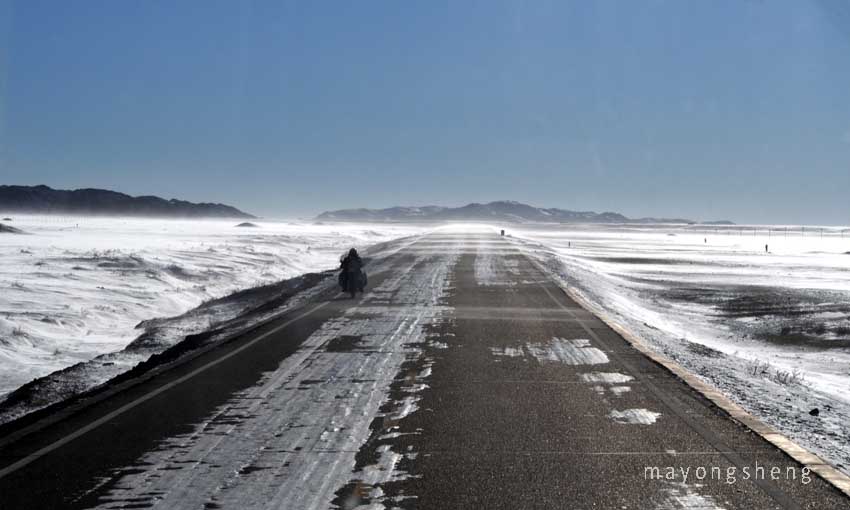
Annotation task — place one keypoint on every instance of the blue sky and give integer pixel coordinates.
(708, 109)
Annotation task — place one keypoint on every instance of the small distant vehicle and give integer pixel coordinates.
(352, 278)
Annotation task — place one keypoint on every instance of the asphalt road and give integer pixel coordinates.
(463, 379)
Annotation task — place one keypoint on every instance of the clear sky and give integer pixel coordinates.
(712, 109)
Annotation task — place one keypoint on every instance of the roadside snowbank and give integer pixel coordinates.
(78, 288)
(771, 330)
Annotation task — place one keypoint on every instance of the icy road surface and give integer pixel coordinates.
(290, 441)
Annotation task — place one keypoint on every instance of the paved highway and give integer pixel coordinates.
(464, 378)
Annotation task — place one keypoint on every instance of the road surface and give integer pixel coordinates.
(464, 378)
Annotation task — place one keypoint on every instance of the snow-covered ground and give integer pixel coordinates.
(301, 426)
(770, 329)
(74, 288)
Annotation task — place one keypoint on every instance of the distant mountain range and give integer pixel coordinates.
(101, 202)
(504, 211)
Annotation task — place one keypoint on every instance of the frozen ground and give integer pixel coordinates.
(77, 288)
(770, 329)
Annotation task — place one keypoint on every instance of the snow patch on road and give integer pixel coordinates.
(492, 268)
(612, 380)
(485, 270)
(571, 352)
(510, 352)
(606, 378)
(408, 406)
(634, 416)
(681, 496)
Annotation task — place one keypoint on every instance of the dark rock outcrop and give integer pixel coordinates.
(45, 200)
(6, 229)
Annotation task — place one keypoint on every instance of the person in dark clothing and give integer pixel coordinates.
(351, 277)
